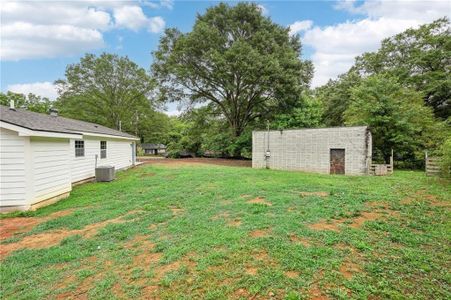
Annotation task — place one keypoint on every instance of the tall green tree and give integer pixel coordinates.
(154, 127)
(335, 97)
(240, 62)
(30, 102)
(397, 118)
(106, 89)
(307, 114)
(420, 58)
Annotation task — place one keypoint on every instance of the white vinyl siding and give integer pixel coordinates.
(35, 169)
(119, 155)
(51, 167)
(12, 169)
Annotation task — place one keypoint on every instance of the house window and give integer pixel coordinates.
(102, 149)
(79, 148)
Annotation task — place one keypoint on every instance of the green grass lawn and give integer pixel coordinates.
(216, 232)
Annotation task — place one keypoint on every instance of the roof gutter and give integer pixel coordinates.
(22, 131)
(108, 136)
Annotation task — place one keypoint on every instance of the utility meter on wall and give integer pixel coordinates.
(268, 153)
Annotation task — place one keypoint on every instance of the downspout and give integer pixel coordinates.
(369, 150)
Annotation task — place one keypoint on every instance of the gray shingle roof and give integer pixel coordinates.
(42, 122)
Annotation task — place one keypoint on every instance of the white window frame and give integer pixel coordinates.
(103, 152)
(81, 150)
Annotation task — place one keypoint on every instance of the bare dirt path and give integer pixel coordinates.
(195, 161)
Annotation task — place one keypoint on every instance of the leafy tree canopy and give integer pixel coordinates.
(243, 64)
(308, 113)
(107, 89)
(397, 118)
(420, 58)
(335, 97)
(31, 101)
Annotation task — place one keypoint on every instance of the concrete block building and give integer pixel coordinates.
(337, 150)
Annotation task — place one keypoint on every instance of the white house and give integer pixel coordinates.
(42, 156)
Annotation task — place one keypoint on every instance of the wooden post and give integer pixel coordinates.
(391, 158)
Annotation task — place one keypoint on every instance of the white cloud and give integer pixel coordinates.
(421, 11)
(156, 24)
(24, 40)
(264, 10)
(32, 29)
(131, 17)
(335, 47)
(167, 4)
(300, 26)
(44, 89)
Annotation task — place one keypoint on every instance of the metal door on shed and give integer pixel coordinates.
(337, 161)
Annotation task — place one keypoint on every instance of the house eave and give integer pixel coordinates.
(93, 134)
(23, 131)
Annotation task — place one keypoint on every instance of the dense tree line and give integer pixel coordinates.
(237, 71)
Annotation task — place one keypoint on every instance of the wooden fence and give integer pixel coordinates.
(382, 169)
(433, 166)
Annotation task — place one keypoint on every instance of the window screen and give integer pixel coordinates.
(102, 149)
(79, 148)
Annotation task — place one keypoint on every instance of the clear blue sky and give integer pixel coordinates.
(39, 39)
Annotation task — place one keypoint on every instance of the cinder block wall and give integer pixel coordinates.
(309, 149)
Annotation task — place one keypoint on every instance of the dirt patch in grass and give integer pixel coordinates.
(146, 259)
(261, 255)
(177, 210)
(241, 293)
(292, 274)
(139, 241)
(259, 233)
(348, 269)
(161, 270)
(407, 201)
(234, 223)
(433, 201)
(364, 216)
(81, 287)
(317, 194)
(314, 292)
(223, 215)
(118, 291)
(251, 271)
(264, 258)
(421, 195)
(259, 200)
(8, 227)
(11, 226)
(378, 205)
(325, 225)
(300, 240)
(149, 292)
(54, 237)
(358, 221)
(226, 217)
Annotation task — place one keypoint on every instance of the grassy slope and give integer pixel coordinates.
(404, 254)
